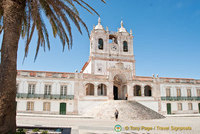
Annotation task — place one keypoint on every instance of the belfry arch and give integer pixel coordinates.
(119, 87)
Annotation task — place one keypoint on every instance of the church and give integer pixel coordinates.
(108, 76)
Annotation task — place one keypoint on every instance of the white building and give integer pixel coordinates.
(109, 74)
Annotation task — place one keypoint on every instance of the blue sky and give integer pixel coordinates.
(167, 38)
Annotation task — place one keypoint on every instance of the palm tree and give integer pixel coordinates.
(21, 18)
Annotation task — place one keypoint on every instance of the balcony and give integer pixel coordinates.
(179, 98)
(43, 96)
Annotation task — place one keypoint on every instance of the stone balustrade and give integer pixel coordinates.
(43, 96)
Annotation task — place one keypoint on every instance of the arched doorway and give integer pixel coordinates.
(115, 92)
(119, 87)
(147, 90)
(89, 89)
(102, 90)
(137, 90)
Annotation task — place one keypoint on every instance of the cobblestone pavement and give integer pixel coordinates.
(95, 126)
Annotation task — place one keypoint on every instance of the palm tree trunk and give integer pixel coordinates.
(13, 12)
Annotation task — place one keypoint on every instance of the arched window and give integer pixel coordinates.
(137, 90)
(100, 42)
(147, 90)
(125, 46)
(102, 90)
(89, 89)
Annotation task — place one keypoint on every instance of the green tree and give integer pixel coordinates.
(22, 18)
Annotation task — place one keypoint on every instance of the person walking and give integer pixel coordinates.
(116, 114)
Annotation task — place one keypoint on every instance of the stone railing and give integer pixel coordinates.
(179, 98)
(43, 96)
(43, 74)
(174, 80)
(143, 79)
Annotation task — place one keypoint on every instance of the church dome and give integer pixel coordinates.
(99, 26)
(122, 29)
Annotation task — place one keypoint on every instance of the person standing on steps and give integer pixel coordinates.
(116, 114)
(126, 96)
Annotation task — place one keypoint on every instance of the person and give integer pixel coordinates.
(116, 114)
(126, 96)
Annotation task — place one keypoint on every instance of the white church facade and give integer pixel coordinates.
(108, 75)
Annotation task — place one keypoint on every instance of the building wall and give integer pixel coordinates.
(185, 108)
(38, 106)
(184, 99)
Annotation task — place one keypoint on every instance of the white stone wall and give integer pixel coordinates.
(85, 105)
(40, 85)
(38, 106)
(39, 89)
(88, 68)
(150, 104)
(185, 107)
(183, 87)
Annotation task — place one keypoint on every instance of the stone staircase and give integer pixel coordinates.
(128, 110)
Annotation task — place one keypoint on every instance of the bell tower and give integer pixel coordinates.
(98, 40)
(107, 48)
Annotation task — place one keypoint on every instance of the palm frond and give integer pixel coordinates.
(56, 24)
(1, 25)
(103, 1)
(55, 5)
(59, 14)
(70, 2)
(29, 29)
(40, 26)
(24, 25)
(28, 7)
(89, 7)
(37, 49)
(29, 40)
(75, 18)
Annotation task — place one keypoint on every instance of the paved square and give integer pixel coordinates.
(94, 126)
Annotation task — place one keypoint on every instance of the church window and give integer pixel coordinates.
(125, 46)
(100, 42)
(112, 39)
